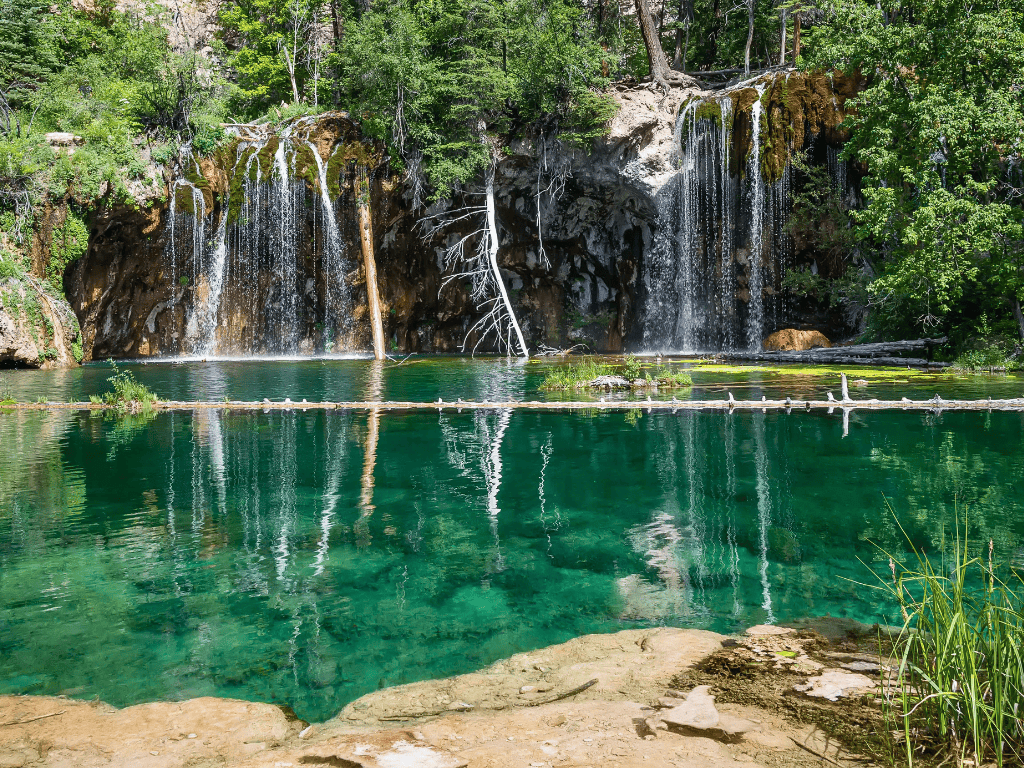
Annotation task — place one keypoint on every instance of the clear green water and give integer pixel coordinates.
(279, 557)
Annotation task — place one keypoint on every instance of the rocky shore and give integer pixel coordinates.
(624, 699)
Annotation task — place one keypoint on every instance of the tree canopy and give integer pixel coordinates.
(939, 132)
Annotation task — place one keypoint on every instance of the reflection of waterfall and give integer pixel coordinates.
(713, 273)
(764, 513)
(273, 279)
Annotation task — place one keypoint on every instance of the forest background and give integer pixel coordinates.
(934, 244)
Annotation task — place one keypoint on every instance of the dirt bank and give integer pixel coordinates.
(598, 700)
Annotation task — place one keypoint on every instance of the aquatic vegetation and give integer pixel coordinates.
(633, 372)
(128, 394)
(959, 657)
(575, 376)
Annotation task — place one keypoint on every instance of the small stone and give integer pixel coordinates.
(154, 753)
(861, 666)
(528, 689)
(193, 736)
(305, 731)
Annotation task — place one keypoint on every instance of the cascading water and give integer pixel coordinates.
(713, 274)
(273, 278)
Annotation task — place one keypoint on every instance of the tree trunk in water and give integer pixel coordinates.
(796, 37)
(660, 71)
(369, 263)
(750, 35)
(1019, 315)
(782, 34)
(492, 254)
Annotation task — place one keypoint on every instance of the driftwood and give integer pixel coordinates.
(880, 353)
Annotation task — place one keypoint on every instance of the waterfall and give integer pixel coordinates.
(712, 276)
(332, 261)
(267, 264)
(755, 281)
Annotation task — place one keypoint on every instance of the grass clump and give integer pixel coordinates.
(576, 376)
(633, 371)
(128, 395)
(958, 688)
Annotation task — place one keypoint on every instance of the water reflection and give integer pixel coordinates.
(309, 557)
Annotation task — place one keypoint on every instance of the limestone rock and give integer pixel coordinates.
(769, 630)
(792, 340)
(697, 712)
(60, 139)
(833, 684)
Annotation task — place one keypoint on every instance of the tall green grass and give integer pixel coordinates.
(958, 687)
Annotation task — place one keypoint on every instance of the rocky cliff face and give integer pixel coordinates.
(577, 233)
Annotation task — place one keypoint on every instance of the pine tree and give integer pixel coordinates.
(26, 51)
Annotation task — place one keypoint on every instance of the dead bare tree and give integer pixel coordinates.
(480, 268)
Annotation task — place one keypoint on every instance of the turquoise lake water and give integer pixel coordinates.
(307, 558)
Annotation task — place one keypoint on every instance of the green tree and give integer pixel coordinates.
(940, 129)
(438, 76)
(26, 45)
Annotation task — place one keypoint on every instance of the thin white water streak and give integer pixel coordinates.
(755, 306)
(764, 514)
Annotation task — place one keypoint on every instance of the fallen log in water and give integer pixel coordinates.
(936, 404)
(879, 353)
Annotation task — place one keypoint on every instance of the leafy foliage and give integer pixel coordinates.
(70, 242)
(940, 129)
(435, 77)
(128, 393)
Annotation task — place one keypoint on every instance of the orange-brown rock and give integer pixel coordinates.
(792, 340)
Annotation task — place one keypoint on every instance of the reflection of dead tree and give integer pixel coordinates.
(366, 507)
(492, 466)
(487, 289)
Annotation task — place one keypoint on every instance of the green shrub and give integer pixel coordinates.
(976, 360)
(632, 369)
(128, 394)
